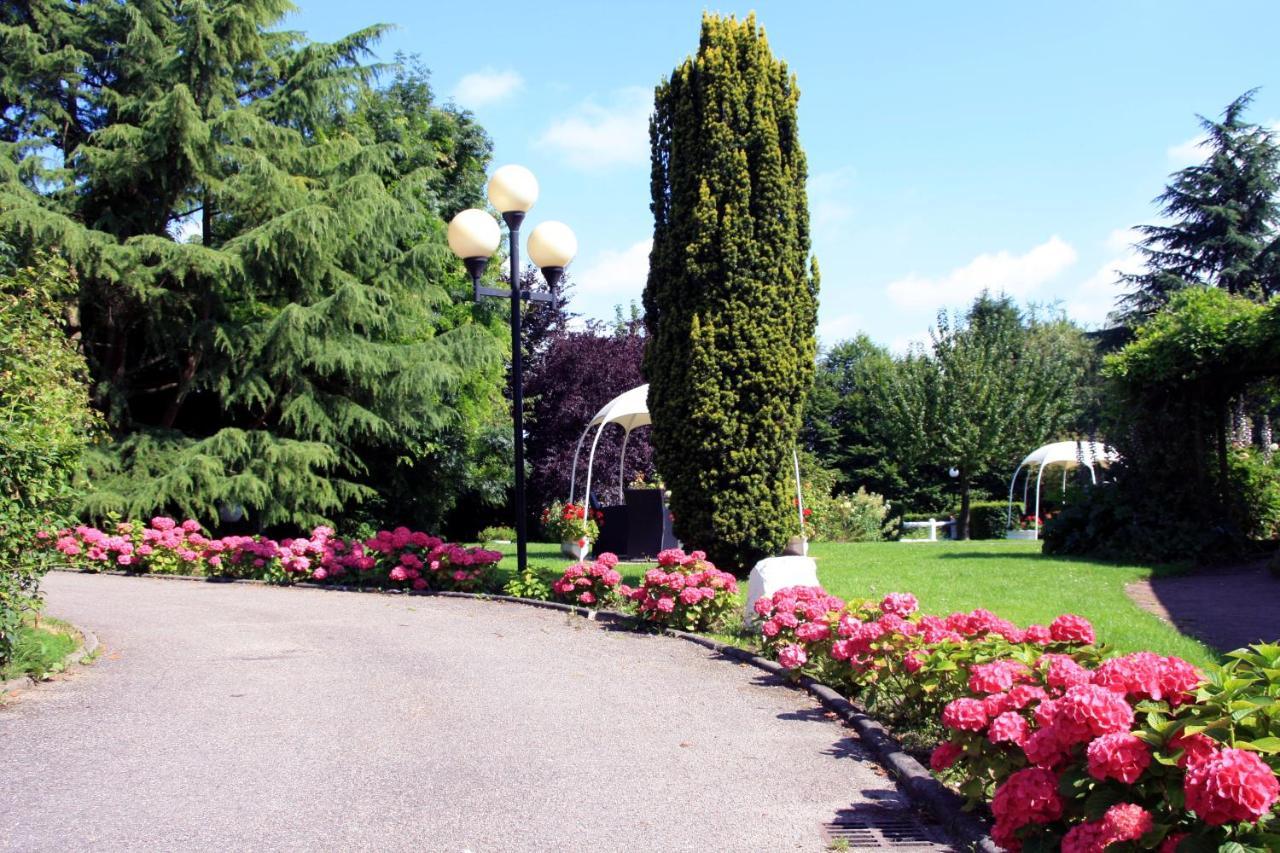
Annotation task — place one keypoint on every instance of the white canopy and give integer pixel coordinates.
(630, 410)
(1065, 454)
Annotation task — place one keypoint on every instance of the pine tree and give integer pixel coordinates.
(1225, 214)
(264, 294)
(730, 302)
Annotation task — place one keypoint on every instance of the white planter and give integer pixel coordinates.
(775, 573)
(573, 549)
(1020, 534)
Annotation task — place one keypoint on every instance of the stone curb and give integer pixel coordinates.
(946, 806)
(88, 645)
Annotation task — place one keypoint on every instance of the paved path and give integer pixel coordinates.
(236, 717)
(1226, 608)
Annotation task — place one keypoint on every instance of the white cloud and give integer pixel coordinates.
(618, 274)
(1096, 296)
(1187, 153)
(1001, 272)
(839, 328)
(487, 86)
(596, 137)
(828, 198)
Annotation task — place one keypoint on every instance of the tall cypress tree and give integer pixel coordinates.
(730, 303)
(1224, 214)
(264, 300)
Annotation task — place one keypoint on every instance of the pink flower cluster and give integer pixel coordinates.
(399, 557)
(685, 591)
(796, 621)
(589, 584)
(1059, 717)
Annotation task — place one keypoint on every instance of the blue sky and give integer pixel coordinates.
(1007, 145)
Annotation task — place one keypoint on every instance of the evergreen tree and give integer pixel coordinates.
(730, 302)
(264, 294)
(846, 429)
(1224, 215)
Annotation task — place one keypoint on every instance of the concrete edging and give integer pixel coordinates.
(940, 801)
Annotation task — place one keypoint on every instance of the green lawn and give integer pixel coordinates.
(40, 650)
(1010, 578)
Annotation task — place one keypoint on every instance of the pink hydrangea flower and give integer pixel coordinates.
(1231, 787)
(1118, 755)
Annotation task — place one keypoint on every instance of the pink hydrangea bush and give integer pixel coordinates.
(399, 558)
(685, 591)
(1137, 747)
(795, 627)
(416, 560)
(592, 584)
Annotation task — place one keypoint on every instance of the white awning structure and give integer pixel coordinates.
(630, 410)
(1061, 454)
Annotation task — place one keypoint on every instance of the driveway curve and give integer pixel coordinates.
(233, 717)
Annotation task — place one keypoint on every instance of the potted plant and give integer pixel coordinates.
(1024, 527)
(574, 526)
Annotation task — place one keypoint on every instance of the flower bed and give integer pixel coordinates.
(1073, 750)
(399, 558)
(685, 591)
(589, 584)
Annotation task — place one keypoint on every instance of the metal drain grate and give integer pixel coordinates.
(879, 828)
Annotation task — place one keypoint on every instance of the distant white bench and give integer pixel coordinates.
(933, 524)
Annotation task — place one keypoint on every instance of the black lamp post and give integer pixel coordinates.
(474, 236)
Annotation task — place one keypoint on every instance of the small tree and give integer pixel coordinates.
(986, 392)
(730, 302)
(45, 424)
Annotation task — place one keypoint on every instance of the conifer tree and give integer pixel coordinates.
(730, 302)
(264, 294)
(1224, 213)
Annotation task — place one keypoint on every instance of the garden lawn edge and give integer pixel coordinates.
(88, 647)
(944, 804)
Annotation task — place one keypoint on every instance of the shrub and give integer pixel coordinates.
(531, 583)
(1255, 494)
(45, 425)
(399, 558)
(589, 584)
(1073, 750)
(988, 519)
(497, 534)
(860, 517)
(685, 591)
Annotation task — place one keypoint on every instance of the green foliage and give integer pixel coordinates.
(845, 426)
(730, 304)
(496, 534)
(45, 426)
(40, 649)
(993, 384)
(988, 519)
(1223, 213)
(267, 307)
(533, 583)
(1184, 490)
(1255, 492)
(860, 517)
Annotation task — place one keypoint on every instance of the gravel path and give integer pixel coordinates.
(234, 717)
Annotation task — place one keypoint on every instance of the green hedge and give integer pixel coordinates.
(987, 519)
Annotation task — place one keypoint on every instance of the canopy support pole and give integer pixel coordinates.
(573, 472)
(795, 459)
(591, 464)
(1039, 475)
(622, 467)
(1008, 519)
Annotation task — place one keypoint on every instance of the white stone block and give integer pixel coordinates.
(775, 573)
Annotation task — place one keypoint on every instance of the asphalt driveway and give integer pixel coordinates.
(237, 717)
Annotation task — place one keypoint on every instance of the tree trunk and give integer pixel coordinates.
(963, 521)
